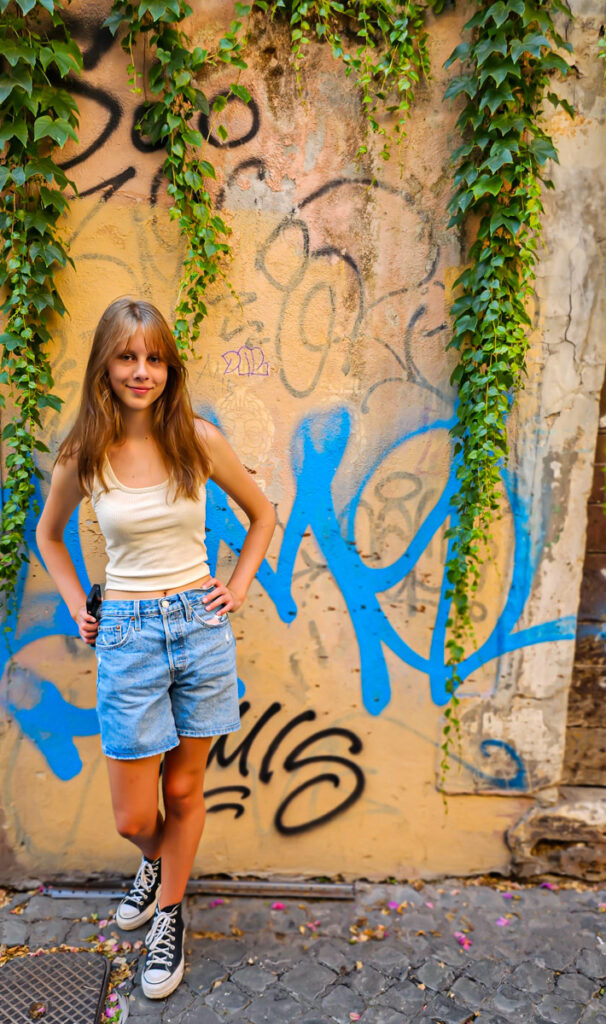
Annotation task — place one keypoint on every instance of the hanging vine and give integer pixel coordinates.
(500, 172)
(39, 116)
(167, 121)
(389, 58)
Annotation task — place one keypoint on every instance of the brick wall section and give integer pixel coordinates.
(585, 757)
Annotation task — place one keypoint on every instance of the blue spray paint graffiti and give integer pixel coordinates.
(319, 446)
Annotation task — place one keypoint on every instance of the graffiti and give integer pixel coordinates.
(247, 362)
(292, 762)
(318, 448)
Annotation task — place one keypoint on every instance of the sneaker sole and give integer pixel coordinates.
(166, 987)
(130, 923)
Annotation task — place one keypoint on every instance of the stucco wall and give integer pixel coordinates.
(330, 378)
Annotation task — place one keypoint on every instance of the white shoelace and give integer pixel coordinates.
(144, 882)
(160, 941)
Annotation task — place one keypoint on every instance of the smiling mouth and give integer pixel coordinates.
(141, 391)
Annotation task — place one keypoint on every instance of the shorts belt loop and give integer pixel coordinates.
(137, 615)
(187, 606)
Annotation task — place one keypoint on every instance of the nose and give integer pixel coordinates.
(141, 370)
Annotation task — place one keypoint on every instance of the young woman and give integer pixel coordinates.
(166, 679)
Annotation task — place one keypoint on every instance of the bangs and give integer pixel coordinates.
(157, 336)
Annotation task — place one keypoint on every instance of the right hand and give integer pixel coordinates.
(88, 627)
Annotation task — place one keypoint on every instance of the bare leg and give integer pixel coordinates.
(134, 790)
(183, 788)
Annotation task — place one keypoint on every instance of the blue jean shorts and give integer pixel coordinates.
(166, 668)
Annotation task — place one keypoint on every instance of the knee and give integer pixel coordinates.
(183, 796)
(133, 828)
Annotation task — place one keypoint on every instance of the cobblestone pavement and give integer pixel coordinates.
(451, 952)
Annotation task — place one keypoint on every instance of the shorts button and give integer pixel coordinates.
(165, 604)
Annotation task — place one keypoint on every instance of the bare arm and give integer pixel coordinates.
(64, 496)
(229, 473)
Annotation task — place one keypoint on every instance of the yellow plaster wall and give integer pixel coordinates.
(344, 289)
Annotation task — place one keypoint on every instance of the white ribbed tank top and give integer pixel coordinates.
(152, 542)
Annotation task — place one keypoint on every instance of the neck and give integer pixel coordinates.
(137, 425)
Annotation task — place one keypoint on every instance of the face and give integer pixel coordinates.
(137, 376)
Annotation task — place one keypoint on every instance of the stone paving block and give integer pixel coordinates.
(387, 959)
(469, 992)
(594, 1014)
(487, 972)
(199, 1014)
(380, 1015)
(446, 1011)
(510, 1002)
(335, 955)
(273, 1008)
(555, 1010)
(576, 987)
(405, 996)
(529, 977)
(14, 931)
(341, 1001)
(307, 980)
(227, 999)
(41, 907)
(78, 933)
(435, 976)
(225, 951)
(176, 1004)
(253, 978)
(201, 975)
(368, 982)
(47, 933)
(592, 963)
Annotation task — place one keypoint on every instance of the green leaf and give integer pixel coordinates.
(59, 130)
(463, 83)
(14, 130)
(114, 20)
(498, 12)
(242, 93)
(15, 52)
(461, 52)
(543, 150)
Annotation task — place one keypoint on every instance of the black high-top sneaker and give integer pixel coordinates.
(165, 961)
(140, 902)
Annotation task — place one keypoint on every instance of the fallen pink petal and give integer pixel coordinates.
(429, 904)
(502, 922)
(507, 895)
(463, 940)
(393, 905)
(217, 902)
(278, 906)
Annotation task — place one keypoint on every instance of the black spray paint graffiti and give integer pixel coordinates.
(338, 765)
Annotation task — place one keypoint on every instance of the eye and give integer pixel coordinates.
(155, 359)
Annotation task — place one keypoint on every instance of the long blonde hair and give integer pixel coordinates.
(100, 424)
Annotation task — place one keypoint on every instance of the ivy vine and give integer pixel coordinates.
(389, 58)
(509, 61)
(167, 121)
(39, 115)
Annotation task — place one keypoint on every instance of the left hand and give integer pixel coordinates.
(220, 598)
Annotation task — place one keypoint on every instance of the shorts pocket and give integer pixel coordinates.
(212, 618)
(113, 632)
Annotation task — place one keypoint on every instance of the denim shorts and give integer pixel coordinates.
(166, 668)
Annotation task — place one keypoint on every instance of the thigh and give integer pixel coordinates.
(185, 766)
(134, 786)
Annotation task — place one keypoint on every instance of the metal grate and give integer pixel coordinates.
(56, 988)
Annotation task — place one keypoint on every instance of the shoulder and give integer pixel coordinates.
(208, 433)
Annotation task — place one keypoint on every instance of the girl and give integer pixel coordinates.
(165, 649)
